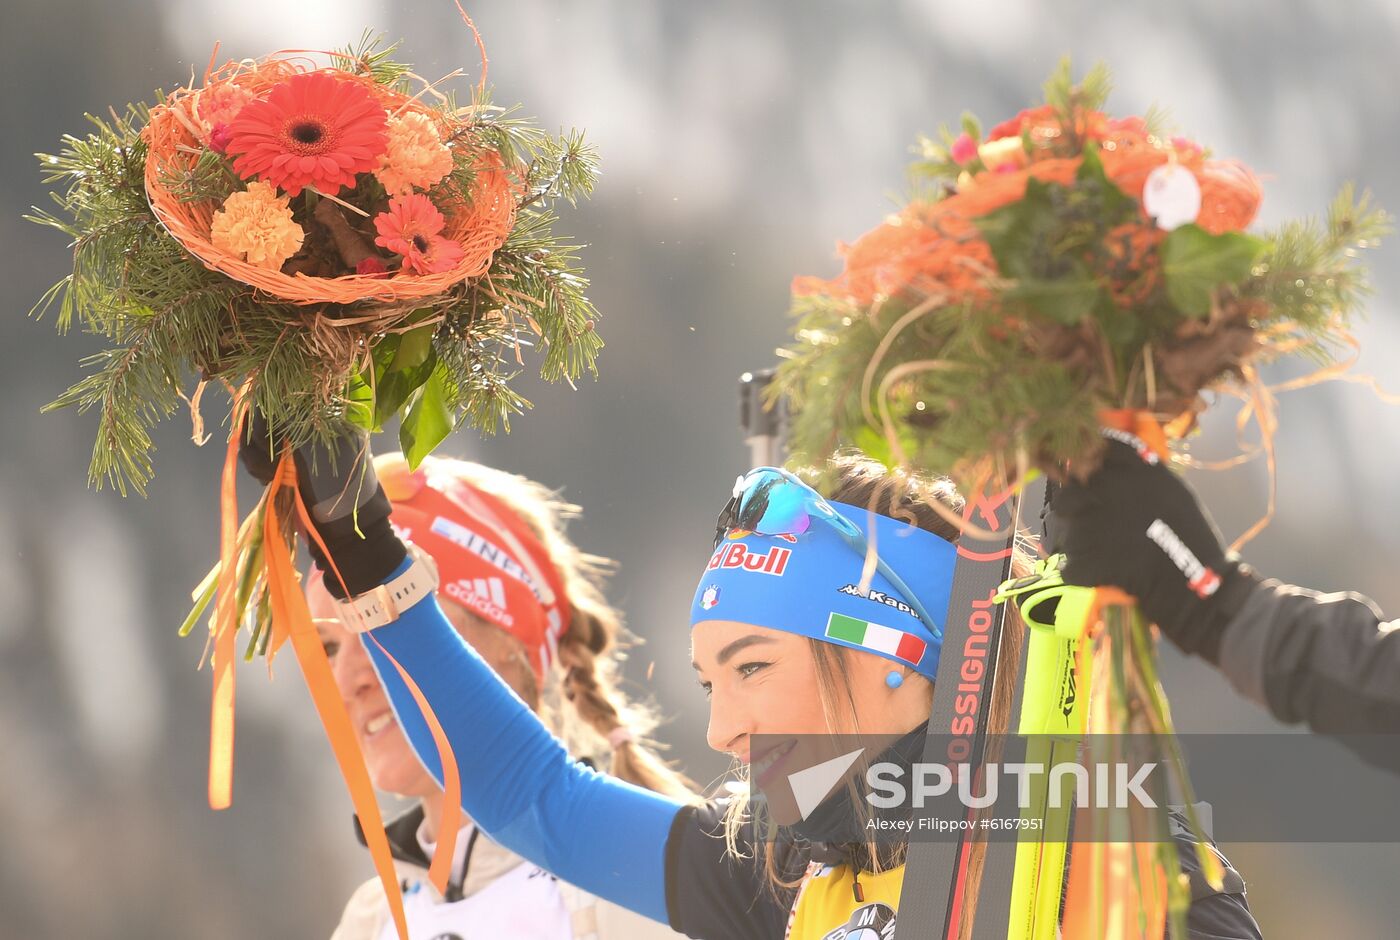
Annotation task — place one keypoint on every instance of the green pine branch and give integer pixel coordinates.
(371, 56)
(1311, 275)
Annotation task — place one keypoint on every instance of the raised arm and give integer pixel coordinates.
(1328, 661)
(518, 782)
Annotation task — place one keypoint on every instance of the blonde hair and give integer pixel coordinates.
(899, 494)
(583, 702)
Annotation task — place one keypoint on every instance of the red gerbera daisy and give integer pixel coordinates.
(312, 130)
(411, 228)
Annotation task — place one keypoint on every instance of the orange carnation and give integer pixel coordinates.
(257, 226)
(220, 104)
(415, 157)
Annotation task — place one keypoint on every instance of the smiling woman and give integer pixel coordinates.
(529, 602)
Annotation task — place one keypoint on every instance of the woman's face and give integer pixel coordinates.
(762, 681)
(393, 767)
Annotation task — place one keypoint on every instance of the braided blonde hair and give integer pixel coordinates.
(581, 699)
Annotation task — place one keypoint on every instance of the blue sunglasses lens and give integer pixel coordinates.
(769, 501)
(772, 504)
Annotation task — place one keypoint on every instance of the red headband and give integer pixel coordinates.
(489, 561)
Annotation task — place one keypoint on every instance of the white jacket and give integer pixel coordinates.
(501, 895)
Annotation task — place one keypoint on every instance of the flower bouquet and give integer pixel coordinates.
(1063, 265)
(330, 241)
(1064, 272)
(343, 240)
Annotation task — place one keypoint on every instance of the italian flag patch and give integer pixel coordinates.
(876, 638)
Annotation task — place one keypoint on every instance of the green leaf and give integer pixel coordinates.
(874, 445)
(1065, 300)
(359, 403)
(1196, 263)
(1125, 330)
(970, 126)
(1016, 231)
(403, 362)
(427, 421)
(1115, 206)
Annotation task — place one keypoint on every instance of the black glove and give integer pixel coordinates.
(345, 501)
(1136, 525)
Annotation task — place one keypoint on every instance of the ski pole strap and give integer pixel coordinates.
(1047, 603)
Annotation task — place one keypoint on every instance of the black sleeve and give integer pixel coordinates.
(1213, 915)
(1326, 660)
(713, 895)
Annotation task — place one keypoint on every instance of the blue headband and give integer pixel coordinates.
(809, 584)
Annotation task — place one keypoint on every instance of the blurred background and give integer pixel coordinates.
(740, 141)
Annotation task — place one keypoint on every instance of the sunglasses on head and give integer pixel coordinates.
(771, 501)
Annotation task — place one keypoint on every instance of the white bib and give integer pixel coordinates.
(522, 904)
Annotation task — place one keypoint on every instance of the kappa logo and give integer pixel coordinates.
(484, 596)
(710, 599)
(736, 555)
(879, 597)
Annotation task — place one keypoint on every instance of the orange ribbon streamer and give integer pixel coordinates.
(440, 869)
(226, 620)
(289, 607)
(1101, 900)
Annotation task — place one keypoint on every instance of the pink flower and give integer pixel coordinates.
(219, 138)
(412, 228)
(410, 219)
(1186, 147)
(373, 266)
(964, 149)
(442, 254)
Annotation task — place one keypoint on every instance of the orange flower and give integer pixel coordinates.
(1014, 126)
(916, 249)
(1134, 270)
(314, 129)
(414, 156)
(257, 226)
(220, 103)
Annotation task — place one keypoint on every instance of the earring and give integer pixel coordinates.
(895, 679)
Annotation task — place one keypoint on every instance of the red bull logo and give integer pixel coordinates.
(736, 555)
